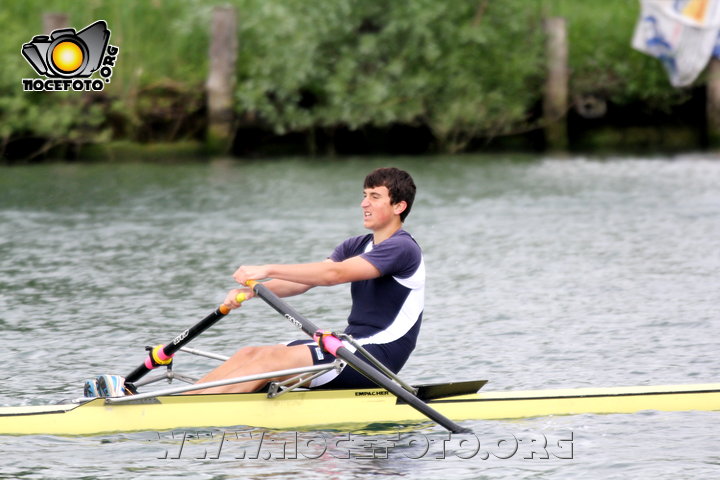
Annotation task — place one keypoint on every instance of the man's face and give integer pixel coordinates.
(377, 209)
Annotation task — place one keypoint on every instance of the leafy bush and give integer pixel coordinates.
(462, 68)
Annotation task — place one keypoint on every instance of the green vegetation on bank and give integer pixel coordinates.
(461, 69)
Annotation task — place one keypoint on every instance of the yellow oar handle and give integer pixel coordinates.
(240, 298)
(251, 283)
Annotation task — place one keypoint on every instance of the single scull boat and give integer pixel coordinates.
(322, 409)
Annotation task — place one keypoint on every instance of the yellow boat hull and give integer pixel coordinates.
(323, 408)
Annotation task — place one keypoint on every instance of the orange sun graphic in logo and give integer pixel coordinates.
(67, 56)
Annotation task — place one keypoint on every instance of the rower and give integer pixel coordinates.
(387, 276)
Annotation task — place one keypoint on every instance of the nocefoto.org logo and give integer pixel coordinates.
(68, 58)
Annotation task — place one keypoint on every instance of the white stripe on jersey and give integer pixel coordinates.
(409, 312)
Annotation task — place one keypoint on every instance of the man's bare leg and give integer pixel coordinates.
(253, 360)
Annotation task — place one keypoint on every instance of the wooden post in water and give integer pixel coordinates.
(220, 85)
(713, 103)
(53, 21)
(555, 101)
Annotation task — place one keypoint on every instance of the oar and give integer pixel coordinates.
(335, 346)
(162, 354)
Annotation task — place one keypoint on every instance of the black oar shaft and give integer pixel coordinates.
(358, 364)
(284, 309)
(181, 340)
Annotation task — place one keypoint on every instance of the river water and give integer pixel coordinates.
(542, 273)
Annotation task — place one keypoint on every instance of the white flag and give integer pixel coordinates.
(681, 33)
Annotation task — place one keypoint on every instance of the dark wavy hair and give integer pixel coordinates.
(398, 182)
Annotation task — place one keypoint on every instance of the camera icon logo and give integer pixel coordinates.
(66, 54)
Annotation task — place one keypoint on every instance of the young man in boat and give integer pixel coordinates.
(387, 274)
